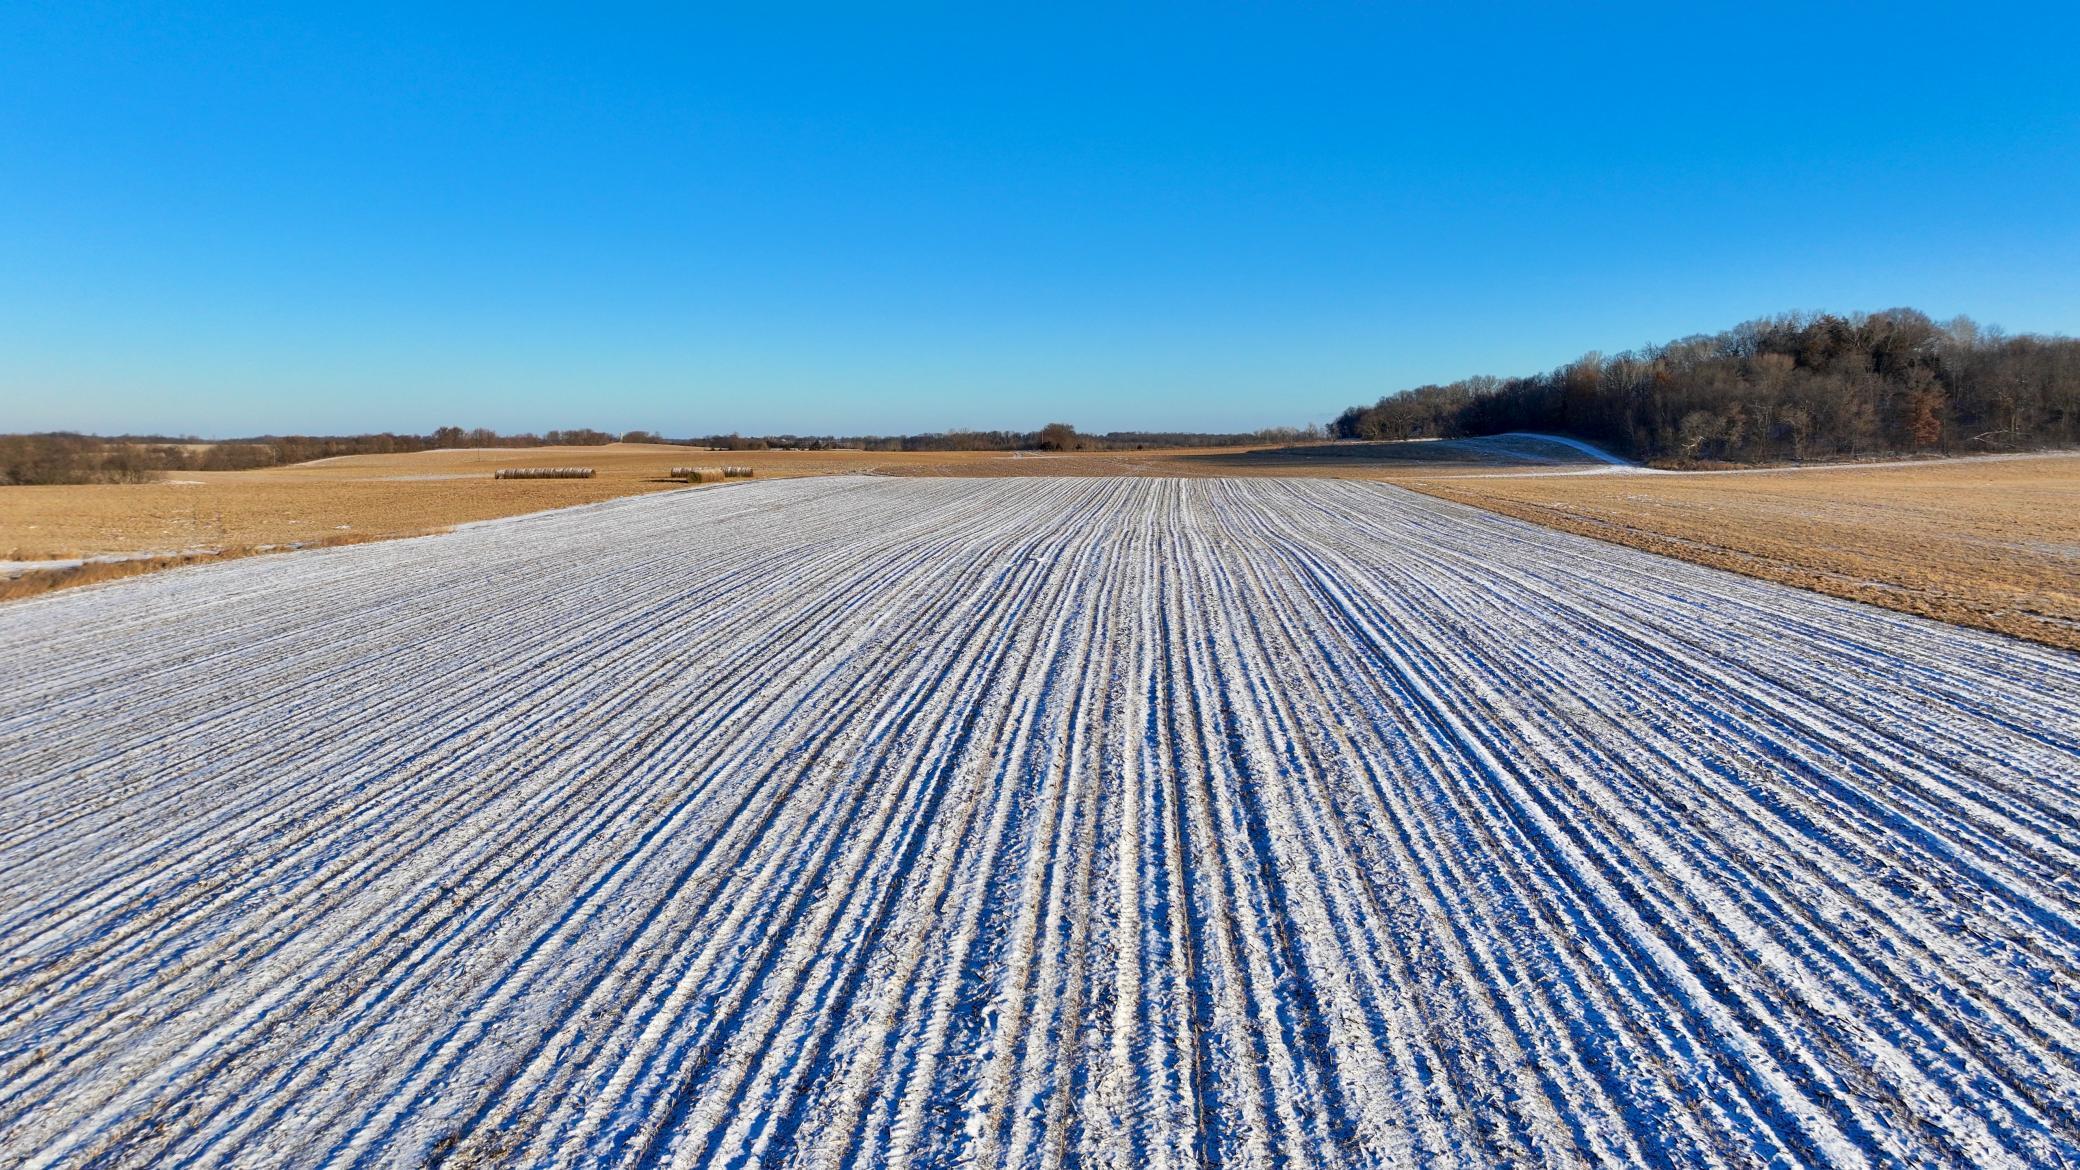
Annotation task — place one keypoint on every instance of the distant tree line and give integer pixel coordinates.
(63, 457)
(1052, 437)
(55, 458)
(1796, 387)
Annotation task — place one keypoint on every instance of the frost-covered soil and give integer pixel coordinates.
(1034, 822)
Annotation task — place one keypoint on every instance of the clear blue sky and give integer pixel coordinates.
(222, 221)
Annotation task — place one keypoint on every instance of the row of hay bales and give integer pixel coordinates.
(544, 473)
(712, 474)
(689, 474)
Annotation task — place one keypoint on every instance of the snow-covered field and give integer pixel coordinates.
(1037, 822)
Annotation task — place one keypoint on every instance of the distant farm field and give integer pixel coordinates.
(1035, 822)
(1991, 543)
(191, 516)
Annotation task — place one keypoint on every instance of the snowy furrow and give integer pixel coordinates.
(1027, 822)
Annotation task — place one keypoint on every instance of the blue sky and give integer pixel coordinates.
(219, 220)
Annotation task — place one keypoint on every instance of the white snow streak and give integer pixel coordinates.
(1028, 822)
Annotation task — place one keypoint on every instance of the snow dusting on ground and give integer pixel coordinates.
(1034, 822)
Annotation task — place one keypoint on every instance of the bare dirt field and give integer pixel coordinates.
(1991, 543)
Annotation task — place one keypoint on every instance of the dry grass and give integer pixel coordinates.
(1988, 543)
(29, 584)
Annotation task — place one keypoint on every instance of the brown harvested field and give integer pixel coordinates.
(364, 496)
(1992, 543)
(374, 496)
(1987, 543)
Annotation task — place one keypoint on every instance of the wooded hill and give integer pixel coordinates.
(1791, 387)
